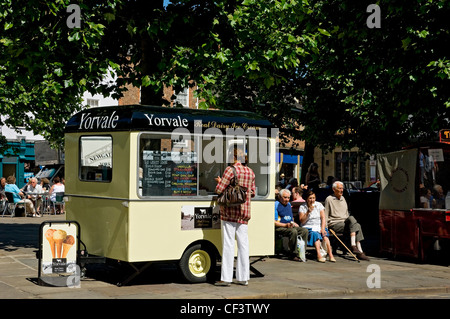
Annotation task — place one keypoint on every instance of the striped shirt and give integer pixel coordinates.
(237, 214)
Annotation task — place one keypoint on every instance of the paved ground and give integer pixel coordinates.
(380, 278)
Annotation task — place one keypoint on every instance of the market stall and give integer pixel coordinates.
(414, 213)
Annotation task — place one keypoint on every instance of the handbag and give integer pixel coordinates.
(234, 194)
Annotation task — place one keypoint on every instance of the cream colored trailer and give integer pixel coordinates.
(140, 182)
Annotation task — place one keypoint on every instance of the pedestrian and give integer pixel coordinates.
(313, 177)
(234, 223)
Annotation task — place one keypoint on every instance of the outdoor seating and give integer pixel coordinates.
(45, 206)
(10, 205)
(3, 205)
(59, 201)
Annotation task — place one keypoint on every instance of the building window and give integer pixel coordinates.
(349, 166)
(182, 98)
(92, 102)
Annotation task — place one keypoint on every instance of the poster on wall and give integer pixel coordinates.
(193, 217)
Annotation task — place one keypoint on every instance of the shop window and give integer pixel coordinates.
(349, 166)
(96, 158)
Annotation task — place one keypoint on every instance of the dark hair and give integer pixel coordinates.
(56, 180)
(308, 193)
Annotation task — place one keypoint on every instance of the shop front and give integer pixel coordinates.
(18, 161)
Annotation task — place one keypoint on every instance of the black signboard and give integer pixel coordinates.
(162, 119)
(169, 174)
(203, 217)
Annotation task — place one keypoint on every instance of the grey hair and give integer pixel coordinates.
(336, 183)
(284, 190)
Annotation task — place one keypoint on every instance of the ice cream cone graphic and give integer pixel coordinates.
(49, 237)
(67, 244)
(59, 236)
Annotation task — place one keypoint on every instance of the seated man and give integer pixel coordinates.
(31, 190)
(340, 221)
(285, 225)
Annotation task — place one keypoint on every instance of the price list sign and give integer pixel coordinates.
(169, 174)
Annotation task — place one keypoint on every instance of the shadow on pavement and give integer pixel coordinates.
(16, 236)
(115, 272)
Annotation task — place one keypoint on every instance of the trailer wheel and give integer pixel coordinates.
(197, 263)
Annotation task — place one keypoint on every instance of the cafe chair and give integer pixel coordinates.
(59, 201)
(10, 205)
(3, 205)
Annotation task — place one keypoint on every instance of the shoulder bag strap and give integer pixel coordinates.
(236, 178)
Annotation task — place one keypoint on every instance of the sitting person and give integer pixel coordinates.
(285, 225)
(439, 196)
(340, 221)
(297, 193)
(17, 196)
(296, 202)
(2, 188)
(31, 190)
(312, 217)
(426, 199)
(57, 187)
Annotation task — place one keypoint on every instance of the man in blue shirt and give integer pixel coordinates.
(285, 225)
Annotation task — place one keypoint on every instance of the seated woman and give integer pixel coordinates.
(312, 217)
(57, 187)
(17, 195)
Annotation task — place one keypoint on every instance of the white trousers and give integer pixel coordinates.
(230, 231)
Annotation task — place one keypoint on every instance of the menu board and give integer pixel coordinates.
(169, 173)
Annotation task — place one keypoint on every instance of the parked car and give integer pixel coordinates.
(351, 188)
(373, 187)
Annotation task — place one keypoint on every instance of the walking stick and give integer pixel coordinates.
(332, 231)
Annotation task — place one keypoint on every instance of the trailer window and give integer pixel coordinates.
(95, 158)
(188, 166)
(167, 167)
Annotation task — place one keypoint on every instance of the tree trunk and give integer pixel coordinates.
(151, 53)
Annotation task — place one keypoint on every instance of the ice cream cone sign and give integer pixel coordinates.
(49, 237)
(67, 244)
(59, 236)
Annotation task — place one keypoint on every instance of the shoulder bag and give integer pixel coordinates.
(234, 194)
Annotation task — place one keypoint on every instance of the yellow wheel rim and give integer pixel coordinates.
(199, 263)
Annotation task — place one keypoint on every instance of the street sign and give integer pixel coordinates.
(444, 136)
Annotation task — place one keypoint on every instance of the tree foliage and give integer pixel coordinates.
(380, 88)
(45, 66)
(351, 85)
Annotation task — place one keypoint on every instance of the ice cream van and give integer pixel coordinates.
(140, 183)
